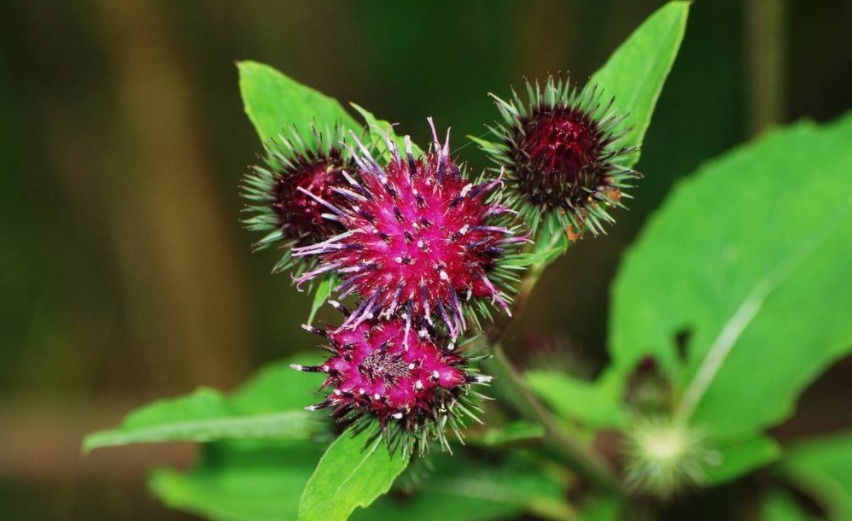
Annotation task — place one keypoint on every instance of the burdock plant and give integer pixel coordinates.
(720, 315)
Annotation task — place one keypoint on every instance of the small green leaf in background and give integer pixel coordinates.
(600, 510)
(459, 488)
(270, 406)
(823, 468)
(517, 432)
(380, 130)
(752, 263)
(779, 506)
(241, 481)
(637, 70)
(321, 295)
(349, 475)
(593, 404)
(274, 102)
(737, 459)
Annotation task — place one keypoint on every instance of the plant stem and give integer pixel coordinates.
(766, 25)
(573, 453)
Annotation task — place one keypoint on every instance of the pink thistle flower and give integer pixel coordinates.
(419, 239)
(413, 387)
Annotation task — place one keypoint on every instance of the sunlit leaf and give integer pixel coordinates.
(270, 406)
(276, 103)
(635, 74)
(351, 474)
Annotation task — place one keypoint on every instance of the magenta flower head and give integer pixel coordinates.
(562, 156)
(419, 239)
(284, 192)
(413, 386)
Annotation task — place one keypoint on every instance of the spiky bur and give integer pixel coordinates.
(412, 387)
(286, 190)
(562, 156)
(666, 457)
(419, 240)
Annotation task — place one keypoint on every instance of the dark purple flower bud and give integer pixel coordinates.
(284, 193)
(562, 156)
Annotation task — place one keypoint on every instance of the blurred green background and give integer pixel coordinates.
(124, 274)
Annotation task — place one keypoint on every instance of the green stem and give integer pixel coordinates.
(572, 452)
(766, 22)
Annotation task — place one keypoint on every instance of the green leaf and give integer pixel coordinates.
(271, 406)
(348, 476)
(241, 481)
(605, 509)
(321, 295)
(823, 468)
(593, 404)
(203, 416)
(275, 102)
(380, 130)
(517, 432)
(740, 458)
(459, 488)
(779, 506)
(635, 73)
(752, 263)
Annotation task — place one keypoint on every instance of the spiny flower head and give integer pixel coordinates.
(284, 192)
(666, 456)
(419, 239)
(412, 383)
(562, 156)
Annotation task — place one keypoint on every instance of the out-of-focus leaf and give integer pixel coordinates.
(753, 272)
(349, 475)
(270, 406)
(740, 458)
(635, 74)
(593, 404)
(600, 510)
(275, 102)
(517, 432)
(461, 489)
(241, 481)
(823, 468)
(778, 506)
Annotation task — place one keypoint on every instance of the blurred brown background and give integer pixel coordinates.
(124, 274)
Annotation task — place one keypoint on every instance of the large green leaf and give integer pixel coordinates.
(241, 481)
(823, 468)
(270, 406)
(749, 261)
(275, 102)
(458, 488)
(351, 474)
(635, 74)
